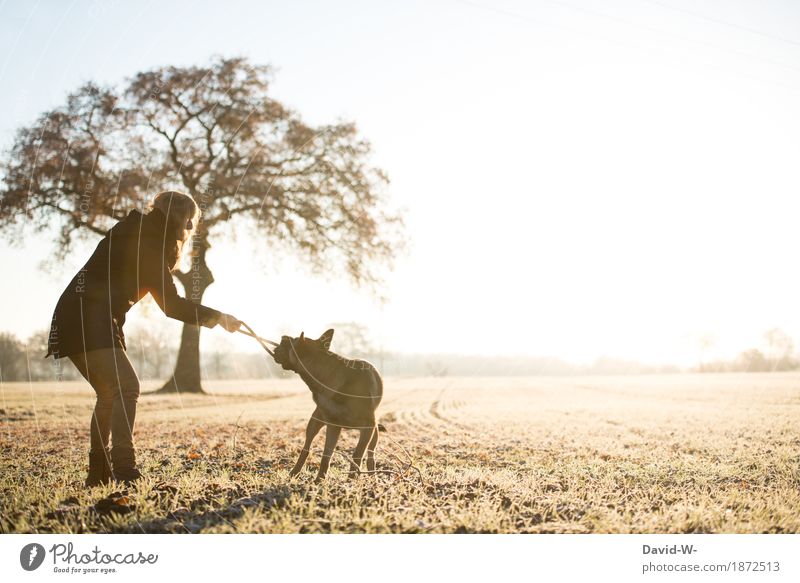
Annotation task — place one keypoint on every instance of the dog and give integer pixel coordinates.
(346, 393)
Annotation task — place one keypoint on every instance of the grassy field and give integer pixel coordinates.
(679, 453)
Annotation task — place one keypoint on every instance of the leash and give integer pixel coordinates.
(262, 341)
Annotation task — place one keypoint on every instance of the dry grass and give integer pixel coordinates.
(615, 454)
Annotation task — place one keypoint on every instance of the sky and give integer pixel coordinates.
(580, 179)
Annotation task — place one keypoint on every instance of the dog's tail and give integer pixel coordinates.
(382, 428)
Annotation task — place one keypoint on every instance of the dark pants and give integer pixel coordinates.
(114, 380)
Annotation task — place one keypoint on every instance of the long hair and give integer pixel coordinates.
(179, 208)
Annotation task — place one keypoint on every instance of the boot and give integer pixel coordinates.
(99, 470)
(124, 462)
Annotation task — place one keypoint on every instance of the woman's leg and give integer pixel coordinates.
(111, 374)
(99, 427)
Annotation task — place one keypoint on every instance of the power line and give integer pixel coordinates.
(724, 22)
(649, 28)
(628, 45)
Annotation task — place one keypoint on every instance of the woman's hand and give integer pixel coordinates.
(230, 323)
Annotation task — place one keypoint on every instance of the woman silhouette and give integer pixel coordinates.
(136, 257)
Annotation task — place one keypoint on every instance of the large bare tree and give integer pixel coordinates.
(215, 132)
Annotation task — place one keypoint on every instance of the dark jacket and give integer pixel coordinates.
(132, 260)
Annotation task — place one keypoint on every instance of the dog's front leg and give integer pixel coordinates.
(314, 425)
(331, 437)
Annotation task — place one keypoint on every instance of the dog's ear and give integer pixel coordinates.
(326, 339)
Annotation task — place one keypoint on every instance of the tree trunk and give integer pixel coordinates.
(186, 377)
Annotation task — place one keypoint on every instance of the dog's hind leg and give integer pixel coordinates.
(331, 437)
(314, 425)
(358, 453)
(371, 449)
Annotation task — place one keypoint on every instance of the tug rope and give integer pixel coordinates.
(262, 341)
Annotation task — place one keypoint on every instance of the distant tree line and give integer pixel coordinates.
(148, 350)
(752, 360)
(22, 359)
(152, 349)
(777, 354)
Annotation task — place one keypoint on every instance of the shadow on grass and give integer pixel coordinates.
(203, 517)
